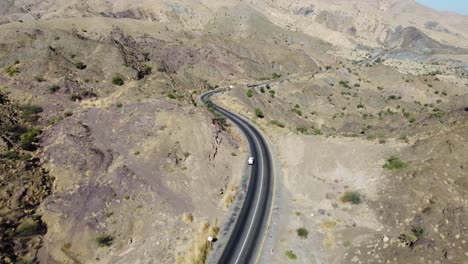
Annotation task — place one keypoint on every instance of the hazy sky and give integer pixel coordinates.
(459, 6)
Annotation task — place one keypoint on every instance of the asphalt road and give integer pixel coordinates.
(247, 238)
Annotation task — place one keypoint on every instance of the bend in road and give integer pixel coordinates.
(247, 236)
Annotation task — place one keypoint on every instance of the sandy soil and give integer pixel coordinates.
(317, 171)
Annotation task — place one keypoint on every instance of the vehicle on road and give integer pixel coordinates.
(251, 161)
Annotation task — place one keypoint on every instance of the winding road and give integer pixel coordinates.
(250, 229)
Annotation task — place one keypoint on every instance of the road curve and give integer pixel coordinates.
(246, 241)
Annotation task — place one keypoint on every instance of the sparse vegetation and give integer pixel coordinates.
(272, 93)
(104, 240)
(218, 117)
(53, 88)
(297, 111)
(229, 196)
(302, 130)
(29, 139)
(277, 123)
(28, 227)
(74, 97)
(275, 76)
(187, 218)
(39, 78)
(345, 84)
(200, 247)
(10, 155)
(394, 163)
(317, 132)
(30, 112)
(394, 97)
(175, 96)
(290, 254)
(352, 197)
(11, 71)
(414, 235)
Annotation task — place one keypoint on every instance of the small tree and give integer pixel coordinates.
(302, 232)
(249, 93)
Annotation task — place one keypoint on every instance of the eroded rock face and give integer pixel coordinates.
(23, 186)
(129, 184)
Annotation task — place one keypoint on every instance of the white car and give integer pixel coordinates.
(251, 161)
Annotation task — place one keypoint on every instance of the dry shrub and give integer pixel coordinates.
(229, 196)
(199, 247)
(187, 218)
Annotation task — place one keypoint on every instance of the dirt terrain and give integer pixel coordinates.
(108, 156)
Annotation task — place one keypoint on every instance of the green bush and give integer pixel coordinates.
(104, 240)
(290, 254)
(249, 93)
(117, 81)
(302, 232)
(30, 112)
(351, 197)
(29, 139)
(394, 163)
(344, 84)
(53, 88)
(259, 113)
(80, 65)
(27, 227)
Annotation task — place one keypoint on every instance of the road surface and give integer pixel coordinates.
(247, 237)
